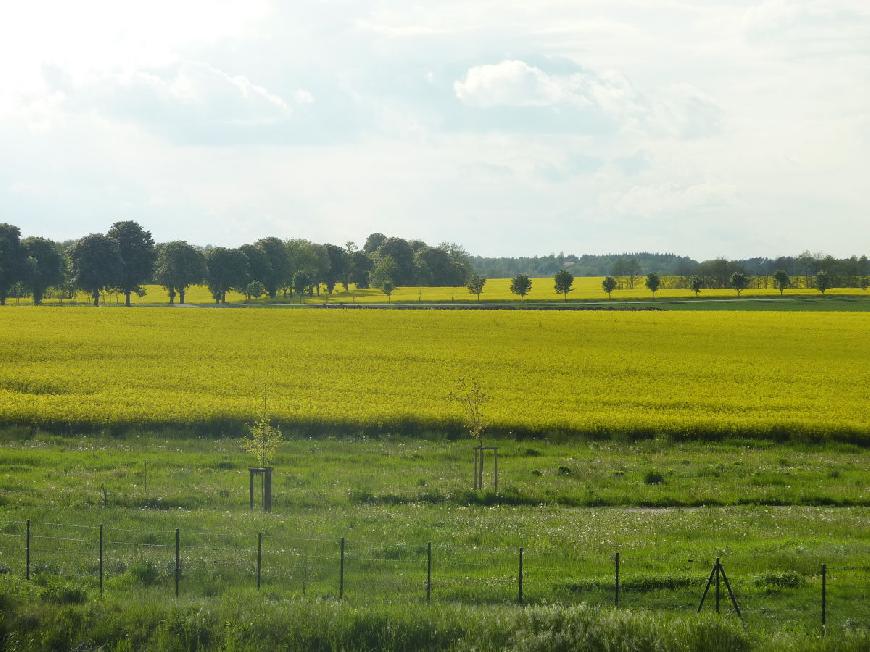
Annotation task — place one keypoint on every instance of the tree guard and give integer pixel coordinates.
(266, 474)
(479, 456)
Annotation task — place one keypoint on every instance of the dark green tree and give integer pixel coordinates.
(373, 243)
(824, 282)
(521, 285)
(781, 281)
(138, 254)
(403, 256)
(279, 271)
(301, 283)
(564, 283)
(44, 266)
(228, 269)
(338, 266)
(475, 285)
(179, 265)
(360, 268)
(739, 281)
(254, 290)
(653, 282)
(696, 284)
(609, 284)
(385, 271)
(96, 264)
(11, 259)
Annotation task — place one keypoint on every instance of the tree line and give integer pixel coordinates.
(126, 258)
(679, 270)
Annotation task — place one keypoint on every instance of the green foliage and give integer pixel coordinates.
(385, 271)
(263, 439)
(696, 284)
(475, 285)
(179, 265)
(739, 281)
(227, 270)
(824, 282)
(781, 281)
(254, 290)
(609, 284)
(138, 254)
(521, 285)
(44, 266)
(472, 400)
(96, 264)
(563, 283)
(653, 282)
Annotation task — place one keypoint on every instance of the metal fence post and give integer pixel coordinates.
(429, 572)
(520, 576)
(27, 552)
(616, 580)
(341, 572)
(177, 559)
(259, 556)
(824, 598)
(101, 560)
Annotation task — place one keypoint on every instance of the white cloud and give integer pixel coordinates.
(515, 83)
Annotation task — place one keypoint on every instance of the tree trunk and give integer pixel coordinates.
(127, 298)
(181, 296)
(96, 296)
(37, 297)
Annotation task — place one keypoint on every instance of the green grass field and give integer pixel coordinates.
(773, 512)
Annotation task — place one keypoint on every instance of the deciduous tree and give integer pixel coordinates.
(564, 283)
(96, 264)
(521, 285)
(823, 282)
(781, 281)
(653, 282)
(179, 265)
(475, 285)
(11, 259)
(739, 281)
(227, 270)
(44, 266)
(609, 285)
(138, 254)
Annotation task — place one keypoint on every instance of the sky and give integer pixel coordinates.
(700, 127)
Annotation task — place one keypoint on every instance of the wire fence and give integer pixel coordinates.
(114, 560)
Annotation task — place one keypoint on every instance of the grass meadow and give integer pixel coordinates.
(773, 512)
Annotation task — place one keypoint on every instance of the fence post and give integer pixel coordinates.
(520, 592)
(717, 584)
(429, 572)
(824, 599)
(616, 580)
(259, 556)
(27, 552)
(101, 560)
(341, 572)
(177, 559)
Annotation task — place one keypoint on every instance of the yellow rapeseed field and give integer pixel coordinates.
(685, 373)
(587, 288)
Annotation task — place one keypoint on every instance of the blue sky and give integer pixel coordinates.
(704, 128)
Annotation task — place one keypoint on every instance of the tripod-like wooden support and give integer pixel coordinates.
(715, 575)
